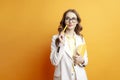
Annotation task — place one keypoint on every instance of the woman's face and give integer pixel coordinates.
(71, 20)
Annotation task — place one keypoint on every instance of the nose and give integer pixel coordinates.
(70, 21)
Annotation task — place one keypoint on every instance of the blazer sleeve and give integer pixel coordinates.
(55, 56)
(85, 57)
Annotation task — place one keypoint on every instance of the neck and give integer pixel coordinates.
(70, 32)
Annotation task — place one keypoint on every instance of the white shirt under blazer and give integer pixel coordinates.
(62, 60)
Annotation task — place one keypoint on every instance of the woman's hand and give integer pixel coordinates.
(61, 38)
(78, 59)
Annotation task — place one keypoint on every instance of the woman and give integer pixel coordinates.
(69, 64)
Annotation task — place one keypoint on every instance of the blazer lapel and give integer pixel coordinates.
(67, 48)
(78, 40)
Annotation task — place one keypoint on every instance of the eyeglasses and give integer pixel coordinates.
(67, 19)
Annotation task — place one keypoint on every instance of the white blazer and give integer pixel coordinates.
(63, 61)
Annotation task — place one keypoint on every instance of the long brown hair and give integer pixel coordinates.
(78, 27)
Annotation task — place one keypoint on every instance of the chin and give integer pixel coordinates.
(70, 28)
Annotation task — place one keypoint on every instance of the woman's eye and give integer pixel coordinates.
(67, 18)
(73, 18)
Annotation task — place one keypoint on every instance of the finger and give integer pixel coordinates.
(80, 57)
(75, 62)
(76, 56)
(61, 36)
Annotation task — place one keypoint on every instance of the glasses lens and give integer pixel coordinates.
(74, 19)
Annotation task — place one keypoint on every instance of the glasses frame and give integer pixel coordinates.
(67, 19)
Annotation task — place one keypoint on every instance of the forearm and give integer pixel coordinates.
(56, 55)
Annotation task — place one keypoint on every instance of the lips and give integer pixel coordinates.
(70, 25)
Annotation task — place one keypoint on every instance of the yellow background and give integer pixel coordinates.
(26, 28)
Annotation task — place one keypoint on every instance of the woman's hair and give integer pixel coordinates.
(78, 27)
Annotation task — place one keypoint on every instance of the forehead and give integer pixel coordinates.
(71, 15)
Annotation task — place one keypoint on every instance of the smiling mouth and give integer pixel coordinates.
(69, 25)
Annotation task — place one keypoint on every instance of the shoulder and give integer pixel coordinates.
(81, 38)
(54, 37)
